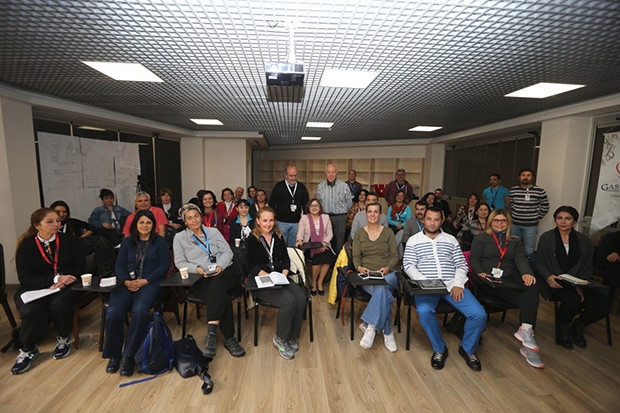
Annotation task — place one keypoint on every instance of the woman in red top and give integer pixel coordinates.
(228, 211)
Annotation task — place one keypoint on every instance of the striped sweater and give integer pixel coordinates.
(528, 206)
(435, 258)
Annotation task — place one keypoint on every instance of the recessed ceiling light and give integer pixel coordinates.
(543, 90)
(425, 128)
(125, 71)
(310, 138)
(355, 79)
(91, 128)
(214, 122)
(325, 125)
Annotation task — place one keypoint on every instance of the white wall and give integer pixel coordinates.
(213, 164)
(329, 152)
(19, 185)
(564, 163)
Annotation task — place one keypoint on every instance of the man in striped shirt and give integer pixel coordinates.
(335, 197)
(528, 205)
(430, 255)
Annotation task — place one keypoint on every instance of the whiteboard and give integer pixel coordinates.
(75, 169)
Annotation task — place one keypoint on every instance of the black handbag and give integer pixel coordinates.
(189, 361)
(456, 325)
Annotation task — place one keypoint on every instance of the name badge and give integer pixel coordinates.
(527, 197)
(497, 272)
(293, 207)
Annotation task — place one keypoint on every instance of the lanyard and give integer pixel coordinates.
(140, 256)
(47, 256)
(268, 249)
(293, 191)
(211, 219)
(201, 244)
(420, 226)
(501, 251)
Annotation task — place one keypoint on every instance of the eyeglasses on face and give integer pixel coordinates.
(500, 220)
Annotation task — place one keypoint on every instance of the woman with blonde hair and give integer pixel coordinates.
(497, 255)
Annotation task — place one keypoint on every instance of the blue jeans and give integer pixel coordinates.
(528, 237)
(476, 319)
(289, 231)
(378, 312)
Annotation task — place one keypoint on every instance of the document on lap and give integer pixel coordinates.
(273, 278)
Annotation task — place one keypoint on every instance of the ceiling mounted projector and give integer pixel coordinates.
(284, 74)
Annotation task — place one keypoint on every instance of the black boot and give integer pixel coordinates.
(564, 339)
(576, 334)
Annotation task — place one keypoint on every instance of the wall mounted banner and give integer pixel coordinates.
(607, 203)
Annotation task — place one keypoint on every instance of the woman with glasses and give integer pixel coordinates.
(315, 226)
(497, 255)
(563, 250)
(203, 250)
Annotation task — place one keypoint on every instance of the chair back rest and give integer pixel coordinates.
(348, 248)
(2, 271)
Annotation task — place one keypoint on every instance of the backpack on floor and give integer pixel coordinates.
(156, 354)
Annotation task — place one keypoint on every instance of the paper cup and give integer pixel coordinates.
(87, 279)
(237, 242)
(184, 273)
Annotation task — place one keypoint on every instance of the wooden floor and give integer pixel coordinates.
(332, 374)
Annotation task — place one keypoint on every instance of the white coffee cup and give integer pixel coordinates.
(87, 279)
(184, 273)
(237, 242)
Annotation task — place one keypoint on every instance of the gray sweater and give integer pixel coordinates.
(189, 253)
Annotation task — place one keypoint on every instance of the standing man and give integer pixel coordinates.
(354, 186)
(399, 184)
(288, 199)
(143, 203)
(496, 195)
(335, 197)
(238, 194)
(360, 220)
(528, 205)
(434, 255)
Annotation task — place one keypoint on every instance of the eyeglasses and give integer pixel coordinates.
(499, 220)
(314, 206)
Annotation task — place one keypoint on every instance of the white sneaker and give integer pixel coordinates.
(526, 337)
(389, 341)
(532, 357)
(369, 337)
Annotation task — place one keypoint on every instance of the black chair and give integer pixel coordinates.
(356, 292)
(409, 300)
(3, 293)
(307, 315)
(192, 298)
(556, 311)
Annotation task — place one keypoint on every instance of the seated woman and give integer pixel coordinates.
(242, 226)
(171, 209)
(429, 197)
(46, 259)
(104, 255)
(211, 218)
(374, 249)
(266, 252)
(563, 250)
(251, 194)
(399, 212)
(143, 260)
(495, 253)
(228, 211)
(474, 227)
(359, 204)
(204, 250)
(315, 226)
(260, 200)
(109, 217)
(466, 213)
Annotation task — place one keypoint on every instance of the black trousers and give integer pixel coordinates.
(527, 300)
(36, 315)
(217, 292)
(595, 305)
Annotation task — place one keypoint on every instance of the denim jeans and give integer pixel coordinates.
(528, 237)
(378, 312)
(289, 231)
(476, 319)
